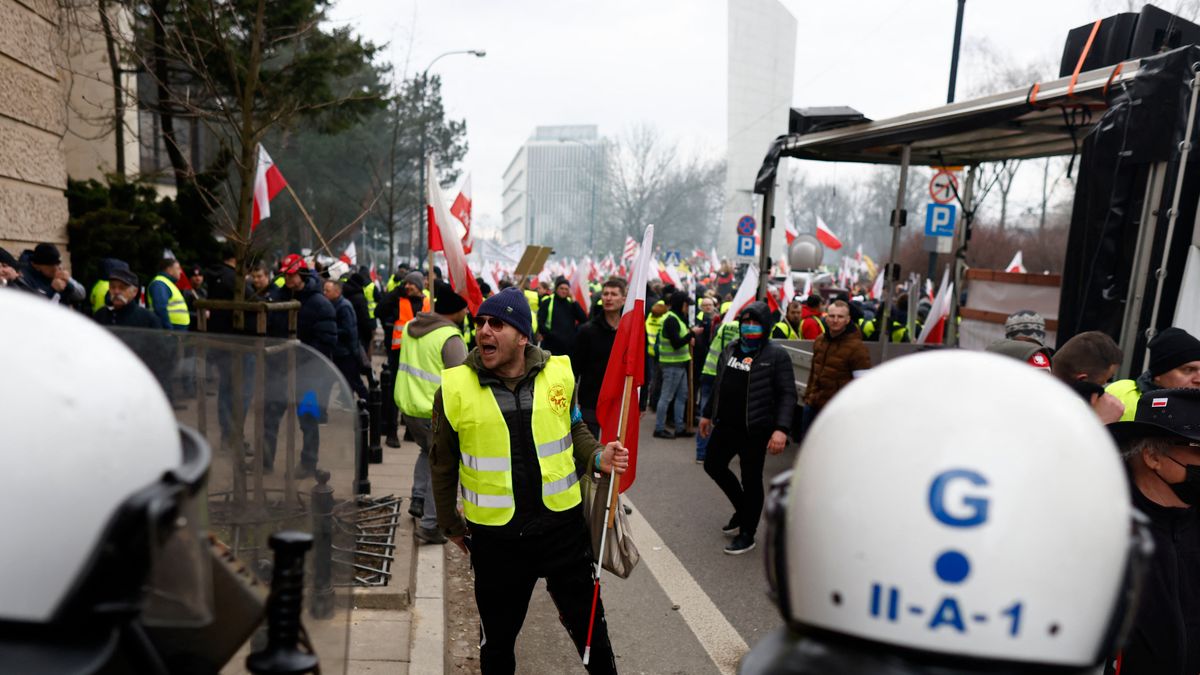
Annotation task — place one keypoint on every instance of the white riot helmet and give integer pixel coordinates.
(990, 520)
(100, 511)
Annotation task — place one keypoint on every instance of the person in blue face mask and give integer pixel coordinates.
(747, 416)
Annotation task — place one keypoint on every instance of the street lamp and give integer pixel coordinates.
(592, 219)
(423, 227)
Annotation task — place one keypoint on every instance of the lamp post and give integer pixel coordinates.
(592, 219)
(423, 226)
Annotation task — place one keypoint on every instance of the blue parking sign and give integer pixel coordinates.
(939, 220)
(745, 245)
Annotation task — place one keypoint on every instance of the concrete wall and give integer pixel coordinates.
(761, 64)
(33, 120)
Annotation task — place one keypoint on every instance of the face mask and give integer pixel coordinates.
(1188, 490)
(751, 335)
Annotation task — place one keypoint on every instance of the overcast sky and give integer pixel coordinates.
(616, 63)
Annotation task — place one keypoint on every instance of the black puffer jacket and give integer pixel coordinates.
(317, 324)
(771, 387)
(352, 290)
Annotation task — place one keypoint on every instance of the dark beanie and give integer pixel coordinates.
(46, 254)
(511, 307)
(1172, 348)
(7, 258)
(445, 300)
(561, 281)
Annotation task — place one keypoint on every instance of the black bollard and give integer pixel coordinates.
(321, 507)
(389, 419)
(284, 605)
(362, 486)
(375, 407)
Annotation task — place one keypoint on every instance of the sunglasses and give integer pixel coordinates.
(491, 322)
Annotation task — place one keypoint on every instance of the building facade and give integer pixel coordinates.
(553, 189)
(761, 66)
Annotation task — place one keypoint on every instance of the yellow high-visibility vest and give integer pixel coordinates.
(99, 295)
(532, 298)
(177, 310)
(668, 353)
(727, 333)
(369, 294)
(485, 467)
(419, 371)
(786, 328)
(1127, 392)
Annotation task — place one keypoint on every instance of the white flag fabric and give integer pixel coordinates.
(935, 322)
(1016, 265)
(745, 292)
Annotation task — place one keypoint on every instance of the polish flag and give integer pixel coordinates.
(826, 236)
(350, 255)
(631, 249)
(1016, 265)
(461, 209)
(699, 254)
(789, 287)
(935, 323)
(789, 231)
(268, 181)
(745, 293)
(579, 289)
(626, 364)
(459, 272)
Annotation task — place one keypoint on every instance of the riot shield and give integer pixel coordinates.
(282, 424)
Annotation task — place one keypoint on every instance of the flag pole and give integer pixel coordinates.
(308, 218)
(609, 516)
(691, 402)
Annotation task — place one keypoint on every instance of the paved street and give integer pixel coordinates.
(688, 607)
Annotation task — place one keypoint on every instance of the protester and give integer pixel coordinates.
(164, 298)
(347, 352)
(432, 343)
(395, 309)
(656, 311)
(260, 286)
(44, 275)
(356, 289)
(593, 345)
(559, 317)
(197, 291)
(788, 328)
(1174, 364)
(1086, 363)
(122, 308)
(674, 360)
(837, 355)
(8, 268)
(98, 296)
(724, 333)
(748, 415)
(1161, 448)
(522, 507)
(811, 325)
(1027, 325)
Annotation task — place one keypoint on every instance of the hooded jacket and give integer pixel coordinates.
(347, 329)
(834, 360)
(316, 325)
(352, 291)
(532, 516)
(811, 326)
(771, 387)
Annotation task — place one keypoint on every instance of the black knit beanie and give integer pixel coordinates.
(1172, 348)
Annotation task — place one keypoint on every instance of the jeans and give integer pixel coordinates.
(675, 386)
(648, 385)
(751, 449)
(308, 380)
(351, 368)
(422, 488)
(223, 362)
(706, 385)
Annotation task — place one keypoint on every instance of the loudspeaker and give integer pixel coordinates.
(1127, 36)
(812, 120)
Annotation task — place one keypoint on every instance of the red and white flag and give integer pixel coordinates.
(745, 293)
(877, 287)
(631, 249)
(939, 311)
(1016, 265)
(579, 289)
(826, 236)
(268, 181)
(350, 255)
(461, 209)
(699, 254)
(789, 231)
(627, 361)
(459, 272)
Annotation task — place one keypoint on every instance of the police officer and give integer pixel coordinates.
(507, 436)
(883, 557)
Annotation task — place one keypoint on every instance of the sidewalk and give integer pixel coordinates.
(397, 629)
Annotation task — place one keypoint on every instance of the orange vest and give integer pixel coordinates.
(406, 315)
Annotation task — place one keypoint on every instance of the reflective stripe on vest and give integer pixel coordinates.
(99, 295)
(485, 470)
(786, 329)
(406, 315)
(668, 353)
(419, 371)
(176, 305)
(726, 333)
(369, 294)
(1128, 393)
(653, 326)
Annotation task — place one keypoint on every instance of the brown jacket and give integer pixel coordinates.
(833, 364)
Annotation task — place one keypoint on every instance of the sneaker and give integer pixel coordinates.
(740, 544)
(699, 460)
(432, 536)
(416, 508)
(392, 440)
(732, 528)
(663, 433)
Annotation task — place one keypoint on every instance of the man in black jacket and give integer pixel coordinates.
(1161, 447)
(748, 415)
(124, 310)
(558, 318)
(593, 345)
(347, 353)
(353, 289)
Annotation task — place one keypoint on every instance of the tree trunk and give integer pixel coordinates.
(114, 67)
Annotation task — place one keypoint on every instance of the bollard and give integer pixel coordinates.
(389, 414)
(375, 407)
(284, 605)
(321, 506)
(362, 486)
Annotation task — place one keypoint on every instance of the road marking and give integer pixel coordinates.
(718, 637)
